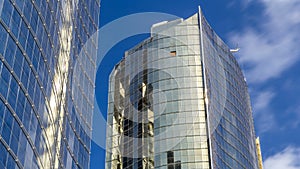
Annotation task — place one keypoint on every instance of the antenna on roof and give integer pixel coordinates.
(235, 49)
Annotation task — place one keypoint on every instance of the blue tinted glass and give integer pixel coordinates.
(3, 153)
(6, 132)
(6, 12)
(40, 18)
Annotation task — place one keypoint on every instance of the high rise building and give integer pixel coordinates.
(179, 100)
(46, 82)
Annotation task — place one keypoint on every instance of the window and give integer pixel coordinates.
(173, 53)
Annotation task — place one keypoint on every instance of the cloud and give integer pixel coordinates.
(262, 113)
(273, 46)
(289, 158)
(262, 100)
(294, 113)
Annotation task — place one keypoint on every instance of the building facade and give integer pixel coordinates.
(179, 100)
(46, 82)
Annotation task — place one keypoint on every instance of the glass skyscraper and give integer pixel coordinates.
(179, 100)
(47, 82)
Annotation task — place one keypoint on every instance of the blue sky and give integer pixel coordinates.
(268, 33)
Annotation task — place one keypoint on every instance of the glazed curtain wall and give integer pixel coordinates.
(156, 114)
(230, 117)
(43, 124)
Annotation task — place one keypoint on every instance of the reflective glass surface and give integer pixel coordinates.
(178, 100)
(156, 110)
(229, 110)
(42, 123)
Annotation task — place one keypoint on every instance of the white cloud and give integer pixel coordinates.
(262, 100)
(265, 122)
(286, 159)
(273, 46)
(262, 113)
(294, 113)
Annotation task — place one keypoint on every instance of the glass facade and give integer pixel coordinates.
(229, 109)
(43, 60)
(178, 100)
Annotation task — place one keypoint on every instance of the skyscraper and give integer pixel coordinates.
(46, 82)
(179, 100)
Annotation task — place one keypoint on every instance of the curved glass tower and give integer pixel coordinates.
(46, 82)
(178, 100)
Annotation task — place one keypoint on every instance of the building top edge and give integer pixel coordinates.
(161, 26)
